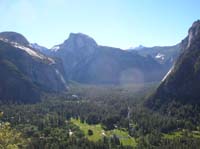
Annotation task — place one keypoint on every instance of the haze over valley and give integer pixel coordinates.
(88, 92)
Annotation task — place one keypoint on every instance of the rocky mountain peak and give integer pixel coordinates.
(14, 37)
(80, 40)
(181, 84)
(194, 33)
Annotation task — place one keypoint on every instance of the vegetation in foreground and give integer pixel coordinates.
(10, 138)
(56, 122)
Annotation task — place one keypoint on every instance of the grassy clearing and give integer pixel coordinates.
(182, 133)
(99, 133)
(196, 134)
(124, 137)
(173, 135)
(97, 130)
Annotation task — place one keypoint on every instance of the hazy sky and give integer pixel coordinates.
(117, 23)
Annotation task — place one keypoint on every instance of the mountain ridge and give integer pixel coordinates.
(14, 37)
(182, 82)
(25, 73)
(85, 61)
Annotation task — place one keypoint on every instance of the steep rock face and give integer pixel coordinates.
(182, 82)
(25, 73)
(115, 66)
(74, 50)
(86, 62)
(15, 87)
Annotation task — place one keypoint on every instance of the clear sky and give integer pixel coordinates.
(117, 23)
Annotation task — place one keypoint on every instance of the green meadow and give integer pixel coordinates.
(99, 133)
(182, 133)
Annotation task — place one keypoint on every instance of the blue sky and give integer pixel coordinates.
(117, 23)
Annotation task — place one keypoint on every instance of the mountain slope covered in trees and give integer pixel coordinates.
(181, 85)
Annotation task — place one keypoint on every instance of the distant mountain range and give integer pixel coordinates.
(181, 84)
(87, 62)
(28, 70)
(165, 54)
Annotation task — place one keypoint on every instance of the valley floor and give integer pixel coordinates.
(98, 133)
(94, 118)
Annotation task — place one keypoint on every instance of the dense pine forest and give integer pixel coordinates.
(52, 123)
(99, 74)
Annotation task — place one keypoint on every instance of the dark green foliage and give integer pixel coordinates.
(178, 95)
(115, 140)
(90, 132)
(47, 124)
(182, 143)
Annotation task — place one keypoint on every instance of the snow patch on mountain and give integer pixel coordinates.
(160, 56)
(38, 47)
(29, 51)
(55, 48)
